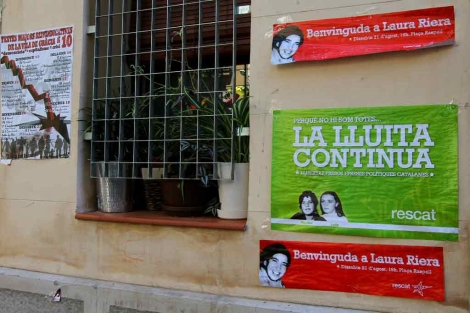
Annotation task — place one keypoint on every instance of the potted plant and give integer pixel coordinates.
(187, 157)
(232, 149)
(188, 189)
(233, 190)
(85, 118)
(185, 187)
(114, 193)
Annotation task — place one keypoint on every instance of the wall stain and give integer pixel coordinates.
(134, 249)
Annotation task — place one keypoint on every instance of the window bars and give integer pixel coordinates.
(165, 73)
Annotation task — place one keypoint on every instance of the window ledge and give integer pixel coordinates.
(162, 219)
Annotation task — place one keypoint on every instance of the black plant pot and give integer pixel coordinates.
(186, 198)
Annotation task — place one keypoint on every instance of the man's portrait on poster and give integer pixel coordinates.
(274, 261)
(308, 203)
(285, 44)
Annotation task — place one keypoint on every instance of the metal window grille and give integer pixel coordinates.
(161, 71)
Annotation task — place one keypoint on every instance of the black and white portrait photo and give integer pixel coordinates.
(274, 261)
(285, 44)
(308, 203)
(331, 207)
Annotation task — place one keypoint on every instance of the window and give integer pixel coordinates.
(165, 74)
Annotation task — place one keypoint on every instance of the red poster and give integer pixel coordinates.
(365, 34)
(383, 270)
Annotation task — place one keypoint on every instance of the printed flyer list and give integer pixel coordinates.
(36, 93)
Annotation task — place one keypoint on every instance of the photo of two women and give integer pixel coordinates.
(331, 208)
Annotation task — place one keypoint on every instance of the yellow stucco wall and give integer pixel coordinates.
(38, 199)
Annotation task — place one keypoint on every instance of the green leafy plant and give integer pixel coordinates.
(212, 207)
(85, 118)
(181, 102)
(181, 99)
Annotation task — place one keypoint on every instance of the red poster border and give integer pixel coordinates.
(322, 39)
(417, 278)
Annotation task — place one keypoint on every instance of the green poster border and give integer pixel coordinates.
(396, 234)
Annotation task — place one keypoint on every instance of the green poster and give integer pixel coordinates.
(378, 172)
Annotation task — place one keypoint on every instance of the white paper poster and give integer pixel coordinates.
(36, 93)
